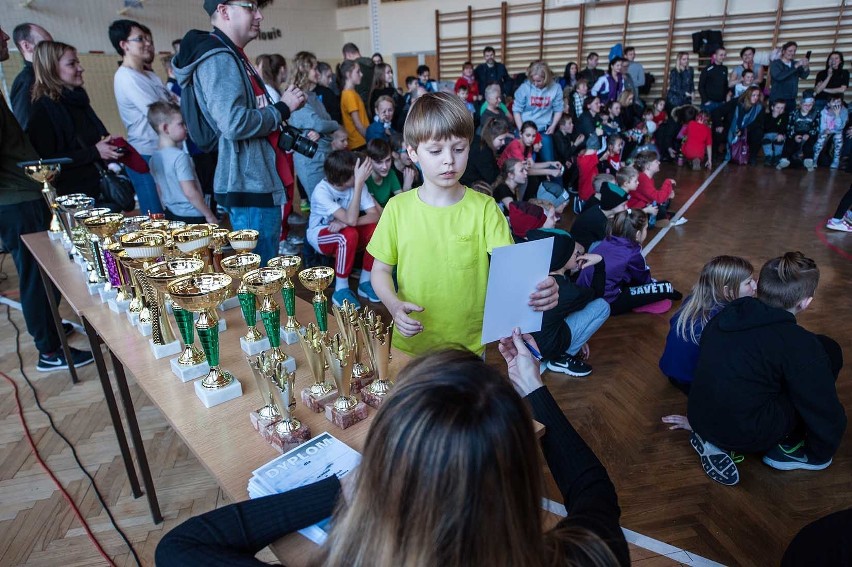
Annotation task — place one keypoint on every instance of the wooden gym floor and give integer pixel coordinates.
(754, 212)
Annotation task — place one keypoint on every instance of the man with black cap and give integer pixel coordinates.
(567, 328)
(590, 225)
(252, 170)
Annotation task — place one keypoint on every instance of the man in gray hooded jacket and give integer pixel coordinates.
(252, 170)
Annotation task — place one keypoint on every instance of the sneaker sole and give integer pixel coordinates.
(368, 298)
(562, 370)
(842, 228)
(63, 367)
(719, 466)
(795, 465)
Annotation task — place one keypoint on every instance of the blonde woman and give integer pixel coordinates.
(539, 100)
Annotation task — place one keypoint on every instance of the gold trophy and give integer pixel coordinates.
(194, 241)
(140, 249)
(201, 294)
(377, 340)
(290, 264)
(346, 410)
(320, 392)
(262, 368)
(347, 323)
(44, 173)
(316, 280)
(163, 343)
(103, 228)
(87, 246)
(218, 238)
(264, 283)
(275, 420)
(243, 240)
(121, 302)
(237, 266)
(68, 205)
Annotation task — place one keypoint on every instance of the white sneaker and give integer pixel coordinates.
(809, 164)
(287, 249)
(838, 225)
(680, 221)
(782, 163)
(847, 218)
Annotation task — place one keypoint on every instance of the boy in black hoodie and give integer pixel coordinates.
(566, 328)
(764, 384)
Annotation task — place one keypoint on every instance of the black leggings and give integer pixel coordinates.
(632, 297)
(845, 204)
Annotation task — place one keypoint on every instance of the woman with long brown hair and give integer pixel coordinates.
(746, 122)
(63, 122)
(272, 68)
(450, 476)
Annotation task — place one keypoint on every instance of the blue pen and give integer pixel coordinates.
(534, 352)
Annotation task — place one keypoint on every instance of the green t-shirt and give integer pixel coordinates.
(382, 192)
(441, 256)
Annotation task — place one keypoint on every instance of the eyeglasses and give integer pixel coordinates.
(142, 39)
(250, 6)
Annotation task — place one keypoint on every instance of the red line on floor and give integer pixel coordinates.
(820, 232)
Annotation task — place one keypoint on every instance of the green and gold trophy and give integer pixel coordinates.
(264, 283)
(275, 420)
(103, 228)
(141, 249)
(237, 266)
(44, 173)
(290, 264)
(347, 322)
(377, 340)
(320, 393)
(158, 277)
(316, 280)
(346, 410)
(201, 294)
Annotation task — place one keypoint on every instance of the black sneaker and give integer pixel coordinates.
(570, 365)
(56, 361)
(789, 458)
(717, 464)
(68, 329)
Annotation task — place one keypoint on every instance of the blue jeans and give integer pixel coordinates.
(146, 190)
(710, 106)
(585, 323)
(265, 220)
(546, 153)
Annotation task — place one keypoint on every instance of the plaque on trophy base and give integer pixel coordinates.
(254, 347)
(133, 317)
(215, 396)
(283, 441)
(188, 373)
(162, 351)
(230, 303)
(317, 403)
(290, 337)
(346, 418)
(118, 306)
(144, 328)
(95, 288)
(371, 399)
(107, 294)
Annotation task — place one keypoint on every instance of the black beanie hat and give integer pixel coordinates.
(563, 245)
(611, 196)
(211, 5)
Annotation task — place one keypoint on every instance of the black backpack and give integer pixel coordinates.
(200, 130)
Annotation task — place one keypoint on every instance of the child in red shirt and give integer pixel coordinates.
(467, 80)
(660, 114)
(648, 164)
(697, 138)
(587, 166)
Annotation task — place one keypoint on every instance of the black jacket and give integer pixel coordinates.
(481, 164)
(69, 127)
(21, 94)
(758, 373)
(713, 83)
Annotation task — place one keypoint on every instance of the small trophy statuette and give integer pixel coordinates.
(316, 280)
(346, 410)
(347, 321)
(290, 264)
(262, 367)
(288, 432)
(377, 339)
(319, 393)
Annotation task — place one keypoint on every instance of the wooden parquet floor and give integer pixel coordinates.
(663, 493)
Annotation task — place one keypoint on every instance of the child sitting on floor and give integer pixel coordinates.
(405, 170)
(589, 227)
(696, 138)
(525, 216)
(775, 132)
(523, 148)
(831, 124)
(578, 97)
(802, 133)
(610, 160)
(629, 286)
(510, 184)
(587, 168)
(337, 226)
(493, 106)
(567, 328)
(381, 184)
(646, 193)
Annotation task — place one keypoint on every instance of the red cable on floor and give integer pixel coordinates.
(51, 475)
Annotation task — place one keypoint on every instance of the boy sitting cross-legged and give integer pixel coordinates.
(439, 237)
(343, 218)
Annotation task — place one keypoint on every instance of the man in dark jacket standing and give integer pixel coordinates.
(713, 82)
(26, 38)
(492, 72)
(764, 384)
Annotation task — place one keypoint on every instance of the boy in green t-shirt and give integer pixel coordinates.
(439, 236)
(381, 184)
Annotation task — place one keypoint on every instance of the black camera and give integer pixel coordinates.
(292, 140)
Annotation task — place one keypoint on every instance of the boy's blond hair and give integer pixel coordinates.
(601, 178)
(625, 174)
(437, 116)
(161, 112)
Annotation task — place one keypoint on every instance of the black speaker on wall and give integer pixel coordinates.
(704, 42)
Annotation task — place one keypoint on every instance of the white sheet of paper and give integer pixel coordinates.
(515, 271)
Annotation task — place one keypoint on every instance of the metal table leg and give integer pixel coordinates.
(136, 437)
(49, 289)
(95, 343)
